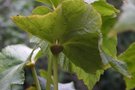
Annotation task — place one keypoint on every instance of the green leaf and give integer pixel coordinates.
(75, 28)
(44, 74)
(118, 65)
(109, 43)
(13, 55)
(12, 59)
(89, 79)
(104, 8)
(52, 3)
(56, 2)
(46, 2)
(83, 52)
(108, 13)
(12, 78)
(126, 20)
(57, 24)
(41, 10)
(129, 57)
(5, 65)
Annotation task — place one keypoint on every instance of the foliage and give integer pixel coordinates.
(16, 57)
(78, 37)
(128, 57)
(126, 23)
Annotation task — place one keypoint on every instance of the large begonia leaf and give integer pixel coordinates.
(129, 57)
(12, 59)
(89, 79)
(75, 28)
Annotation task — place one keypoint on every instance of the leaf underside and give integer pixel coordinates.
(75, 28)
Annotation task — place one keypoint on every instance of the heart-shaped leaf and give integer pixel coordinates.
(75, 28)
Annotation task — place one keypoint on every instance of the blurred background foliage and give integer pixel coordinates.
(10, 34)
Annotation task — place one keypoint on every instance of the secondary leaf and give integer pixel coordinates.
(12, 59)
(120, 66)
(46, 3)
(75, 28)
(50, 2)
(109, 43)
(5, 65)
(126, 20)
(13, 78)
(104, 8)
(129, 57)
(56, 2)
(108, 13)
(41, 10)
(13, 55)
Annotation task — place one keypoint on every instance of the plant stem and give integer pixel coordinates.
(55, 71)
(49, 73)
(34, 73)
